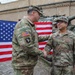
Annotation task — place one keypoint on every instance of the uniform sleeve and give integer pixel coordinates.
(25, 41)
(43, 38)
(48, 46)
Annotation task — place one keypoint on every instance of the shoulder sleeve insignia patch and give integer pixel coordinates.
(25, 34)
(28, 40)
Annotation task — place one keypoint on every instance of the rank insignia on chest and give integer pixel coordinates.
(25, 34)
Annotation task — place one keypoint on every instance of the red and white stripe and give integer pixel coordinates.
(5, 51)
(43, 29)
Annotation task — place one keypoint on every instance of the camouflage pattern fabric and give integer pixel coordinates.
(72, 28)
(63, 70)
(24, 71)
(62, 18)
(25, 45)
(63, 46)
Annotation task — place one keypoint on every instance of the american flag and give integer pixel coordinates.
(6, 32)
(44, 29)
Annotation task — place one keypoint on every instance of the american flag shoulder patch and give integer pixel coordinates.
(25, 34)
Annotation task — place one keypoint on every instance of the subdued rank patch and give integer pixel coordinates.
(28, 40)
(25, 34)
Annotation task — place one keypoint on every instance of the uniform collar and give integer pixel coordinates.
(63, 34)
(31, 23)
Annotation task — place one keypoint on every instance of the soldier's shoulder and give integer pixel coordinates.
(71, 34)
(22, 24)
(53, 34)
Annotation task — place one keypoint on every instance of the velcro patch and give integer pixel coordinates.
(25, 34)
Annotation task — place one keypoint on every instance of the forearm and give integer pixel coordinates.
(31, 49)
(34, 51)
(42, 38)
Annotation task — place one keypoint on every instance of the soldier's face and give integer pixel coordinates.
(61, 25)
(36, 16)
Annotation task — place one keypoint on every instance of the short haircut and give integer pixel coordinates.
(30, 10)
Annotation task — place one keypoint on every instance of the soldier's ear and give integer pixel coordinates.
(66, 24)
(33, 12)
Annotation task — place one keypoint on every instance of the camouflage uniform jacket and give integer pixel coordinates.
(25, 45)
(63, 46)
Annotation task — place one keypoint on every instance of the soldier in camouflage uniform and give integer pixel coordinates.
(25, 43)
(63, 45)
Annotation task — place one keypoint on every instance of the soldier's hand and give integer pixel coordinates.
(45, 53)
